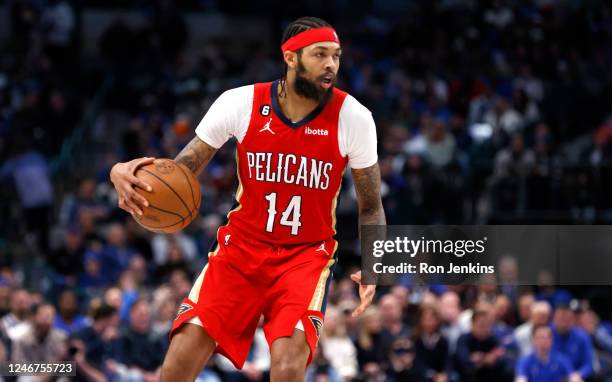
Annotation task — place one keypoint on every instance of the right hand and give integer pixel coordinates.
(122, 176)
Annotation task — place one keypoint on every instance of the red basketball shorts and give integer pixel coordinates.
(245, 279)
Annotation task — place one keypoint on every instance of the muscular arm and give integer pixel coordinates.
(196, 155)
(367, 186)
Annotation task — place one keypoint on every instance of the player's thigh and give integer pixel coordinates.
(289, 352)
(190, 348)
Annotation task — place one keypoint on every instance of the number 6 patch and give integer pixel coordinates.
(264, 110)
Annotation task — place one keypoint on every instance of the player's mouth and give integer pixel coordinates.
(327, 81)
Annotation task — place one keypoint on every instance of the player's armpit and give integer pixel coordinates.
(196, 155)
(367, 186)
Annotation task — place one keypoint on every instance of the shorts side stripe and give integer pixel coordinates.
(194, 294)
(318, 298)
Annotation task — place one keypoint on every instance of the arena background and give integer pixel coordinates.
(488, 112)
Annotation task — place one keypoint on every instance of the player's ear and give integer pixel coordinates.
(290, 59)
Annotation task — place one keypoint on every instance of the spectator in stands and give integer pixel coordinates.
(392, 317)
(139, 270)
(174, 260)
(180, 282)
(336, 346)
(370, 343)
(163, 245)
(164, 311)
(550, 292)
(440, 144)
(601, 338)
(67, 260)
(514, 161)
(540, 315)
(450, 309)
(68, 319)
(90, 346)
(29, 171)
(504, 117)
(93, 276)
(479, 355)
(14, 323)
(40, 342)
(138, 352)
(85, 201)
(525, 302)
(508, 278)
(502, 314)
(401, 362)
(116, 255)
(572, 342)
(402, 295)
(432, 360)
(543, 364)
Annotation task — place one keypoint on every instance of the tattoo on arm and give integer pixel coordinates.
(196, 155)
(367, 186)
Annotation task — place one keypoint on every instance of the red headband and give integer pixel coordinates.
(310, 36)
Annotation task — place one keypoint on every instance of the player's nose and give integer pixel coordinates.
(331, 64)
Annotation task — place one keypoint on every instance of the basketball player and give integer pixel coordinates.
(295, 137)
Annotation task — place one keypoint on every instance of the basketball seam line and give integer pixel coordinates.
(168, 212)
(171, 189)
(189, 183)
(156, 229)
(160, 228)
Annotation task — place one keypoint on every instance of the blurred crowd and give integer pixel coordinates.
(502, 104)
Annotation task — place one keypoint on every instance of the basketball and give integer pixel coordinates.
(175, 197)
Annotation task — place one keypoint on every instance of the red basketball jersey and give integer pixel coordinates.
(289, 173)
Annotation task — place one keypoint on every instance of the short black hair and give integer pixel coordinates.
(296, 27)
(478, 314)
(301, 25)
(103, 311)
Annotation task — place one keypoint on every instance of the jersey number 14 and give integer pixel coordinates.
(290, 216)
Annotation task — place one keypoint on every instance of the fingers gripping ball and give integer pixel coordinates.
(175, 197)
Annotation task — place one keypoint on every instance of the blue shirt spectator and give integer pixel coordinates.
(543, 364)
(68, 318)
(555, 368)
(572, 342)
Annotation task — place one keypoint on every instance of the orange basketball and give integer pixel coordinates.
(175, 197)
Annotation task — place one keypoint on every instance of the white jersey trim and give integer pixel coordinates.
(229, 116)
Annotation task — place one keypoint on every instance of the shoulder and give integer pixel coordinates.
(582, 334)
(353, 109)
(241, 93)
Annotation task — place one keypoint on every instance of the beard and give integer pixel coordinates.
(310, 89)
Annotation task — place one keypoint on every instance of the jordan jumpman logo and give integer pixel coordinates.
(322, 248)
(267, 127)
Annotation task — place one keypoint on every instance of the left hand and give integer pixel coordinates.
(366, 294)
